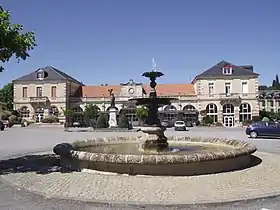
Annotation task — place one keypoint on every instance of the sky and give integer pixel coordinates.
(113, 41)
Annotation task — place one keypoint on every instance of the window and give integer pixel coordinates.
(228, 88)
(39, 92)
(212, 111)
(278, 103)
(53, 91)
(40, 74)
(24, 112)
(263, 103)
(244, 87)
(24, 92)
(227, 70)
(211, 88)
(245, 112)
(271, 103)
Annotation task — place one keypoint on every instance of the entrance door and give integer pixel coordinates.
(228, 121)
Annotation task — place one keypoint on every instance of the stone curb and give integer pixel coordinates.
(240, 148)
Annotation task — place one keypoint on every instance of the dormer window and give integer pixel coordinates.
(40, 74)
(227, 70)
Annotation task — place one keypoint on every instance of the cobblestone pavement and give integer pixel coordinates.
(43, 140)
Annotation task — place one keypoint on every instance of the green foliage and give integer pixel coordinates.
(207, 120)
(142, 112)
(265, 119)
(6, 95)
(13, 41)
(68, 112)
(50, 119)
(91, 112)
(102, 121)
(123, 121)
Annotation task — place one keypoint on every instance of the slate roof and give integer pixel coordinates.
(53, 75)
(216, 71)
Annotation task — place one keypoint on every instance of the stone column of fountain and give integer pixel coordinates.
(155, 132)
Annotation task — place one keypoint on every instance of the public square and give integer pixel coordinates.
(16, 142)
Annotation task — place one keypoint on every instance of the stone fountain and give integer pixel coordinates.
(155, 139)
(154, 153)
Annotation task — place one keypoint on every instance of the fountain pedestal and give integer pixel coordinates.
(155, 138)
(113, 117)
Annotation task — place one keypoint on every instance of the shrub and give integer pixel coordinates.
(256, 118)
(219, 124)
(123, 121)
(246, 122)
(5, 117)
(50, 119)
(102, 121)
(207, 120)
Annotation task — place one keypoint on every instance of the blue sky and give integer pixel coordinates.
(112, 41)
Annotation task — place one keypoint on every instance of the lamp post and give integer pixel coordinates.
(103, 105)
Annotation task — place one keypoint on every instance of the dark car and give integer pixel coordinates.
(257, 129)
(2, 126)
(166, 124)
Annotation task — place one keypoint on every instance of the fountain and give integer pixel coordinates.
(154, 153)
(156, 139)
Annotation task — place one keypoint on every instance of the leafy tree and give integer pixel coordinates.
(277, 80)
(102, 121)
(13, 41)
(91, 112)
(123, 121)
(68, 113)
(142, 113)
(6, 95)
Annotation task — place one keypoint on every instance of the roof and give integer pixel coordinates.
(162, 90)
(54, 74)
(172, 89)
(237, 71)
(100, 91)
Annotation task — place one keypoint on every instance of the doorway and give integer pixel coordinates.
(228, 121)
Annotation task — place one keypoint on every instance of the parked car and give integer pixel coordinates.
(180, 126)
(166, 124)
(2, 126)
(79, 124)
(189, 124)
(258, 129)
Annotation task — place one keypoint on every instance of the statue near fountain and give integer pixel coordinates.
(112, 110)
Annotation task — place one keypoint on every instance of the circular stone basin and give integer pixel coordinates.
(185, 156)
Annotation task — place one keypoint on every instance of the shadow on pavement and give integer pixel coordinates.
(41, 164)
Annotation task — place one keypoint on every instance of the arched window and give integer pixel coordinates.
(24, 112)
(190, 114)
(212, 111)
(245, 112)
(170, 113)
(228, 109)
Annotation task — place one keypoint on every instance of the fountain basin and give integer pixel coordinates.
(232, 155)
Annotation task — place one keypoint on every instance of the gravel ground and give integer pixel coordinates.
(17, 141)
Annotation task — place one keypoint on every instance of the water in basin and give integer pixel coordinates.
(134, 148)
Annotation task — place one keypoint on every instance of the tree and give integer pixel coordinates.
(123, 121)
(91, 112)
(13, 41)
(277, 80)
(6, 95)
(68, 113)
(142, 113)
(102, 121)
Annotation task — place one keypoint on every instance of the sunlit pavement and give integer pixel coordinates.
(19, 141)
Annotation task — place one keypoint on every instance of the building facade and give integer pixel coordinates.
(226, 92)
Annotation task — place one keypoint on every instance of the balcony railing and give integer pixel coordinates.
(229, 95)
(39, 99)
